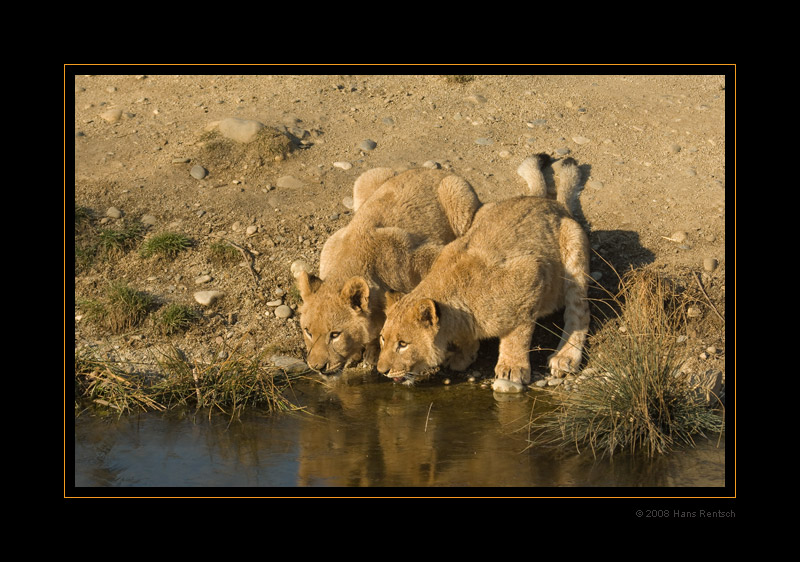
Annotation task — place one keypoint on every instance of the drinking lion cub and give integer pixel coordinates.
(400, 225)
(522, 258)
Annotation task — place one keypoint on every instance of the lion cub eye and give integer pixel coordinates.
(402, 345)
(335, 335)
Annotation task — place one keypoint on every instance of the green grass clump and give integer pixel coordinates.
(122, 309)
(165, 244)
(176, 318)
(222, 252)
(640, 400)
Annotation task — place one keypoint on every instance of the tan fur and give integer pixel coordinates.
(522, 259)
(401, 223)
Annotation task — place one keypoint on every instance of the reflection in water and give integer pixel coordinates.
(365, 433)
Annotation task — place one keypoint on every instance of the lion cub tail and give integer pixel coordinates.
(531, 171)
(569, 178)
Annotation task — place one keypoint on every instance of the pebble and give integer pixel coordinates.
(283, 311)
(198, 172)
(207, 298)
(594, 184)
(342, 165)
(367, 145)
(348, 202)
(112, 115)
(275, 303)
(289, 364)
(581, 140)
(483, 141)
(202, 279)
(298, 266)
(562, 151)
(180, 160)
(289, 182)
(149, 220)
(710, 264)
(536, 122)
(430, 164)
(113, 213)
(252, 229)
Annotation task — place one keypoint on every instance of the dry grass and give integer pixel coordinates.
(229, 385)
(639, 401)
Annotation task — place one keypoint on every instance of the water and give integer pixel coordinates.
(371, 433)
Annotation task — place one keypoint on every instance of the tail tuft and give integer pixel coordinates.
(531, 171)
(569, 178)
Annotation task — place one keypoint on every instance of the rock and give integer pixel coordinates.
(198, 172)
(507, 386)
(298, 266)
(348, 202)
(252, 229)
(112, 115)
(431, 165)
(289, 364)
(283, 311)
(114, 213)
(240, 130)
(289, 182)
(276, 302)
(483, 141)
(710, 264)
(581, 140)
(202, 279)
(207, 298)
(342, 165)
(367, 145)
(149, 220)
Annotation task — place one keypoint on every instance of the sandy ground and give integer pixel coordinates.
(651, 148)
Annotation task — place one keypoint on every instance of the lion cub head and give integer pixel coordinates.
(340, 323)
(409, 343)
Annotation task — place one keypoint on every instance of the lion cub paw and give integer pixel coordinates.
(560, 364)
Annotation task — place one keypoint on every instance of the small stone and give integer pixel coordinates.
(694, 312)
(483, 141)
(202, 279)
(276, 302)
(207, 298)
(348, 202)
(289, 182)
(562, 151)
(581, 140)
(114, 213)
(342, 165)
(679, 237)
(431, 165)
(198, 172)
(298, 266)
(594, 184)
(674, 148)
(252, 229)
(180, 160)
(536, 122)
(710, 264)
(283, 311)
(112, 115)
(289, 364)
(149, 220)
(367, 145)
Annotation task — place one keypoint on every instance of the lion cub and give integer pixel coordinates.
(523, 258)
(400, 225)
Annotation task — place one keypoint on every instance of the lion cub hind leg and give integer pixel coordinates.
(513, 369)
(531, 171)
(575, 255)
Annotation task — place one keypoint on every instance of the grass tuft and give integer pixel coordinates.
(230, 385)
(165, 244)
(639, 400)
(176, 318)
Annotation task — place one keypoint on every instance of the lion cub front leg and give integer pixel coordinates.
(513, 369)
(462, 354)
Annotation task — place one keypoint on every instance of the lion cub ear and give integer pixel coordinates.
(356, 294)
(392, 297)
(428, 313)
(307, 284)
